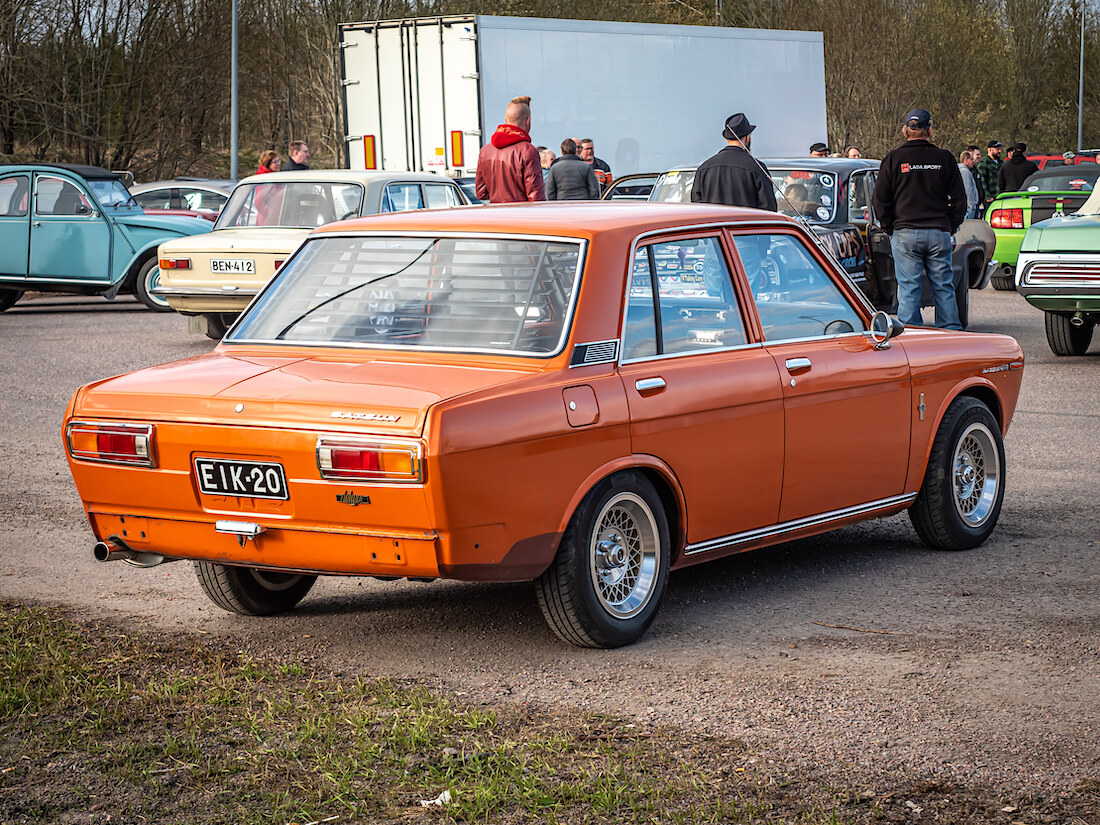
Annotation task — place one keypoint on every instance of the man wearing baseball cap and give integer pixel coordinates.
(989, 171)
(920, 201)
(819, 150)
(732, 177)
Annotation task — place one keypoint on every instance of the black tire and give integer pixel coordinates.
(217, 324)
(147, 278)
(962, 300)
(602, 590)
(252, 592)
(1065, 338)
(964, 484)
(1004, 283)
(8, 297)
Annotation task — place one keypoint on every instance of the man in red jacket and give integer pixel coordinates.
(508, 167)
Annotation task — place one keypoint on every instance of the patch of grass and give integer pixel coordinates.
(96, 724)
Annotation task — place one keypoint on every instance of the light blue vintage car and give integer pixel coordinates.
(68, 228)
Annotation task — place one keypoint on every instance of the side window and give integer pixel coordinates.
(54, 196)
(13, 196)
(439, 195)
(202, 200)
(859, 197)
(155, 199)
(401, 196)
(794, 296)
(696, 309)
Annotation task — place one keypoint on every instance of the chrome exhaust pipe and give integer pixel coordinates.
(1078, 320)
(114, 549)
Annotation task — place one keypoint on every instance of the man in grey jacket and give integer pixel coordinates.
(570, 178)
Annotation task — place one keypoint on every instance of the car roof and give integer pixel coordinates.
(223, 186)
(84, 171)
(815, 164)
(1061, 171)
(577, 219)
(346, 176)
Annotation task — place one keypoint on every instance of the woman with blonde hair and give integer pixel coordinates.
(269, 162)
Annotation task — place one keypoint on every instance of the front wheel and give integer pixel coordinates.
(605, 585)
(960, 500)
(1064, 337)
(252, 592)
(147, 278)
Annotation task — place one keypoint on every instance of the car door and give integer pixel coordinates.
(846, 404)
(701, 397)
(880, 256)
(70, 238)
(15, 225)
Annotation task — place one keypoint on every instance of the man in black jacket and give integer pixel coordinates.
(570, 178)
(1016, 170)
(732, 176)
(920, 202)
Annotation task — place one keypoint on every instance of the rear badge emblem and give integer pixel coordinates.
(354, 499)
(359, 416)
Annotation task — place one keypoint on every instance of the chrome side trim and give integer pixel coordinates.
(797, 524)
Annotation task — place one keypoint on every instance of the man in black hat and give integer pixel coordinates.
(989, 172)
(920, 202)
(1016, 170)
(819, 150)
(733, 177)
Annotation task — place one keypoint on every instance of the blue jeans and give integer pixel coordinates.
(918, 252)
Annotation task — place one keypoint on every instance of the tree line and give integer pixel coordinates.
(144, 85)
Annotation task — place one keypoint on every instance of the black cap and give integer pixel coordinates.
(993, 143)
(1021, 148)
(819, 147)
(918, 119)
(737, 126)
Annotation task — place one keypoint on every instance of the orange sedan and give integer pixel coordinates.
(587, 396)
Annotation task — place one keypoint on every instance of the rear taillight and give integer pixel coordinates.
(278, 264)
(1007, 219)
(111, 443)
(174, 263)
(350, 459)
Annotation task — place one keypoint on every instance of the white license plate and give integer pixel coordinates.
(233, 266)
(245, 479)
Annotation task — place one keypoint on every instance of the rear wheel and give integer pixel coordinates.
(1005, 283)
(147, 278)
(8, 297)
(960, 500)
(217, 324)
(1065, 338)
(605, 585)
(252, 592)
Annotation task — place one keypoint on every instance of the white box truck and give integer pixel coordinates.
(424, 94)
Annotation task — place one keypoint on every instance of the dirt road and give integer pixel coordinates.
(859, 656)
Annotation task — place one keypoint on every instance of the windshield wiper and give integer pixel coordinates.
(339, 295)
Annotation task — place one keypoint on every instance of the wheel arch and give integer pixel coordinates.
(979, 389)
(129, 280)
(660, 475)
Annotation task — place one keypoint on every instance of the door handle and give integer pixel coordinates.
(36, 223)
(649, 384)
(796, 365)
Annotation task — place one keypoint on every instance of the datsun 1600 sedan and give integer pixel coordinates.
(512, 393)
(213, 277)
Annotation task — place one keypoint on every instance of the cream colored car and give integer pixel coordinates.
(213, 277)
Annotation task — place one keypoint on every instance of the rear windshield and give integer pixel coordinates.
(295, 203)
(1073, 179)
(452, 293)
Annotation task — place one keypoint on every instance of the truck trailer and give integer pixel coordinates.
(424, 94)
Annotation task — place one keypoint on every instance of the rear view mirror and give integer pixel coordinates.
(883, 328)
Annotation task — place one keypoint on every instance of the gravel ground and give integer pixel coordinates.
(858, 657)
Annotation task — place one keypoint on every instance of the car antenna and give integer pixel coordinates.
(798, 216)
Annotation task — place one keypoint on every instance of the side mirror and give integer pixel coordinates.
(883, 328)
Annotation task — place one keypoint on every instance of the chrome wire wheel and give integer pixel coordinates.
(976, 474)
(625, 555)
